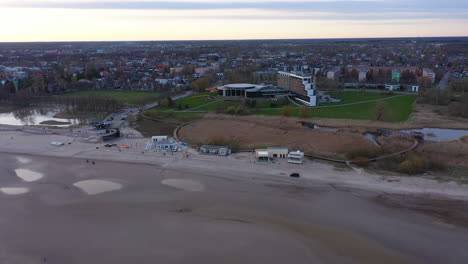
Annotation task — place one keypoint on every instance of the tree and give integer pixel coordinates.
(286, 111)
(304, 112)
(165, 102)
(382, 112)
(201, 84)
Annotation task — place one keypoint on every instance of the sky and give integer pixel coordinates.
(113, 20)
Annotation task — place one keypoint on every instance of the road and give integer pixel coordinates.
(119, 119)
(443, 84)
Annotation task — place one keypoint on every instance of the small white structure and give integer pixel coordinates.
(296, 157)
(392, 87)
(215, 150)
(167, 145)
(262, 155)
(414, 88)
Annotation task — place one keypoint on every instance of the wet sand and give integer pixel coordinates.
(165, 214)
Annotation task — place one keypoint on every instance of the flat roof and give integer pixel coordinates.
(278, 148)
(296, 153)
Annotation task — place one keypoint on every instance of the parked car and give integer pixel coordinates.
(295, 175)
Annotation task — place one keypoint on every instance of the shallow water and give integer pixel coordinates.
(14, 190)
(440, 134)
(184, 184)
(34, 117)
(23, 160)
(372, 138)
(92, 187)
(28, 175)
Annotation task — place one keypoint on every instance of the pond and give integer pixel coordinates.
(36, 117)
(440, 134)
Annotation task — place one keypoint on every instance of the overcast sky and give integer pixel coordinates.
(81, 20)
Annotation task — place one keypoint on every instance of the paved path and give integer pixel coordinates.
(443, 84)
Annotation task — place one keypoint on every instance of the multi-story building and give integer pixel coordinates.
(428, 73)
(334, 74)
(301, 86)
(396, 76)
(363, 75)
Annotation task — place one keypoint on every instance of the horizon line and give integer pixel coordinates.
(200, 40)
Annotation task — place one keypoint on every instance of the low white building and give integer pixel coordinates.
(414, 88)
(262, 155)
(296, 157)
(392, 87)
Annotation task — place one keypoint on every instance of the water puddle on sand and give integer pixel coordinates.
(184, 184)
(28, 175)
(14, 190)
(92, 187)
(23, 160)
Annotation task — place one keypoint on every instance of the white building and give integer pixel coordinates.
(334, 74)
(414, 88)
(392, 87)
(296, 157)
(363, 75)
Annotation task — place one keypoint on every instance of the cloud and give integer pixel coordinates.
(338, 6)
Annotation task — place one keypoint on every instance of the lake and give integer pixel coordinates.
(34, 117)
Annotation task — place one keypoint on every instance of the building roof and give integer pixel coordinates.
(213, 147)
(166, 142)
(283, 148)
(241, 86)
(296, 153)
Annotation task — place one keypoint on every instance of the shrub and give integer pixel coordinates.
(241, 110)
(220, 108)
(286, 111)
(364, 152)
(222, 141)
(382, 112)
(412, 166)
(231, 110)
(304, 112)
(154, 114)
(170, 113)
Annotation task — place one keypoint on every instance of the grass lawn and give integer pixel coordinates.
(354, 97)
(190, 102)
(208, 102)
(401, 107)
(130, 98)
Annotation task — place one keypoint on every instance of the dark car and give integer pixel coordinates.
(295, 175)
(110, 119)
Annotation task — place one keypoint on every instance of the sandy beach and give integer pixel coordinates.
(134, 207)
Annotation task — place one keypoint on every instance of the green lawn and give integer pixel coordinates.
(210, 103)
(354, 97)
(190, 102)
(401, 107)
(130, 98)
